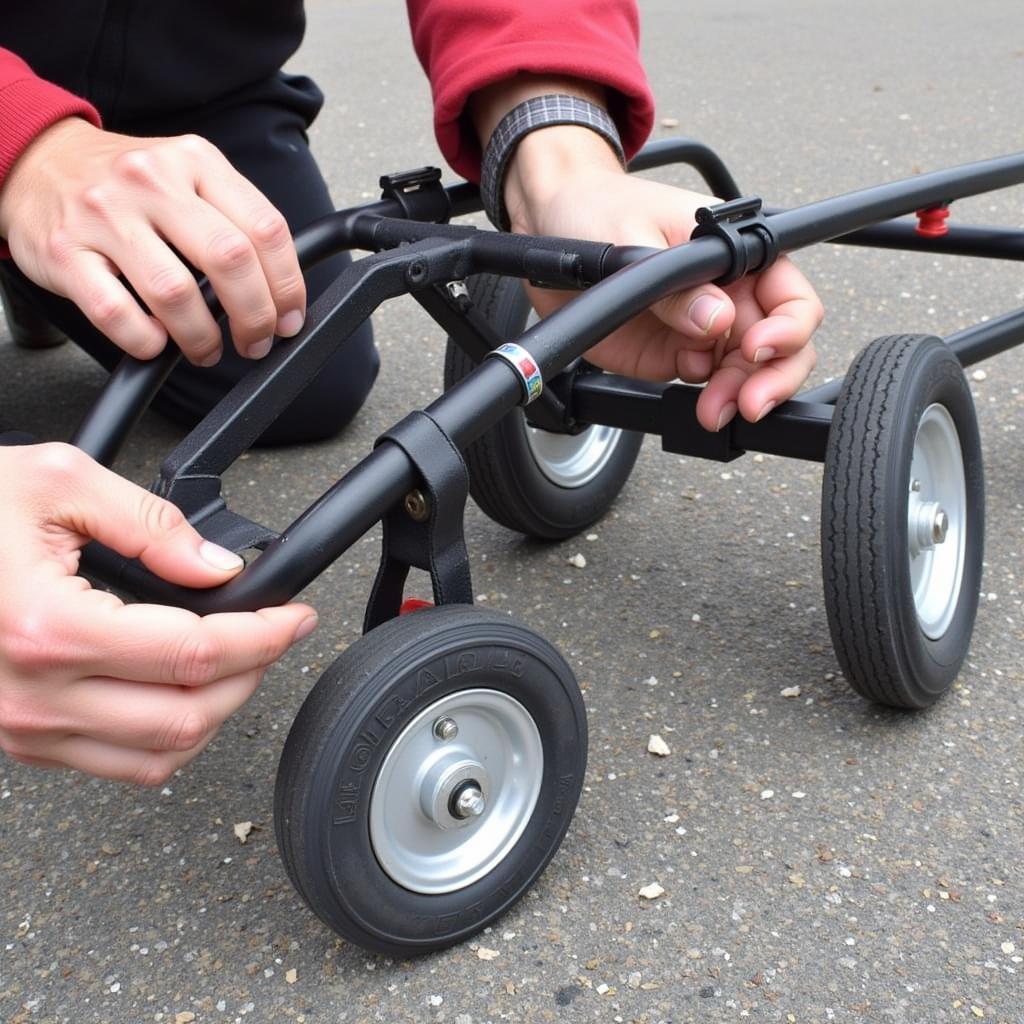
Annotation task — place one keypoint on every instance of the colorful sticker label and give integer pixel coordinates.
(523, 363)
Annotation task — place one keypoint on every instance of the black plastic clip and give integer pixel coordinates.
(425, 531)
(730, 222)
(419, 193)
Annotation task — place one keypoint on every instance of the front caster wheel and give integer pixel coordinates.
(902, 521)
(429, 777)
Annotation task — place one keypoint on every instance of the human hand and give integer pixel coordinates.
(128, 692)
(81, 206)
(750, 341)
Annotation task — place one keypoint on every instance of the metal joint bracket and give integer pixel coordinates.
(425, 530)
(733, 222)
(419, 193)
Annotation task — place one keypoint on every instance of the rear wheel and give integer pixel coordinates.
(902, 524)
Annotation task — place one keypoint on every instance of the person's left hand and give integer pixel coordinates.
(750, 341)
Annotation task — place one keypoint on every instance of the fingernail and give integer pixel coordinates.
(704, 311)
(212, 359)
(218, 557)
(764, 353)
(290, 324)
(306, 626)
(260, 349)
(727, 414)
(765, 409)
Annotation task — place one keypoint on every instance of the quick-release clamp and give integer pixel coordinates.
(419, 193)
(731, 222)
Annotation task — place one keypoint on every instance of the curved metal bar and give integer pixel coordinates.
(703, 159)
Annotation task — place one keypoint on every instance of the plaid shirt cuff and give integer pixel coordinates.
(539, 112)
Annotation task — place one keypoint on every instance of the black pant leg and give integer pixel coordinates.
(263, 133)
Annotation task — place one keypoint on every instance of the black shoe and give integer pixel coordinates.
(28, 327)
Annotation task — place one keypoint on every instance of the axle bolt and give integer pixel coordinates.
(915, 485)
(940, 526)
(468, 802)
(445, 729)
(417, 506)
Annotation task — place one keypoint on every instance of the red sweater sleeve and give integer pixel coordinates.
(28, 105)
(465, 45)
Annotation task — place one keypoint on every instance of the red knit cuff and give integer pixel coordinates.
(28, 106)
(630, 103)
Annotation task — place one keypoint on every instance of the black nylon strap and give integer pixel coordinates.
(437, 544)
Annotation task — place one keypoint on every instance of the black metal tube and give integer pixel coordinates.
(973, 344)
(961, 240)
(708, 164)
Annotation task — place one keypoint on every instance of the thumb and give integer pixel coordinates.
(97, 503)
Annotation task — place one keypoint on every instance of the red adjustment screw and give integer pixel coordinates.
(931, 223)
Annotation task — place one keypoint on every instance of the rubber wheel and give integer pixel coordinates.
(544, 485)
(902, 521)
(363, 806)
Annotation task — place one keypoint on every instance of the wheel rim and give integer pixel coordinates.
(571, 460)
(447, 808)
(936, 520)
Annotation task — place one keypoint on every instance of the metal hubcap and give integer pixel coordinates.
(444, 812)
(936, 520)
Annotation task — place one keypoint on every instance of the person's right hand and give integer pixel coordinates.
(129, 692)
(81, 206)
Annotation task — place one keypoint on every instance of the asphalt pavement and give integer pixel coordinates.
(821, 859)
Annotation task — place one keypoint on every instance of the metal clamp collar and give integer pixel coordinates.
(526, 368)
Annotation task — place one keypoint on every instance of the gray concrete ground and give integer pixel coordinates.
(822, 860)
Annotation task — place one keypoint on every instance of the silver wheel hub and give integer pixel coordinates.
(446, 812)
(572, 460)
(936, 520)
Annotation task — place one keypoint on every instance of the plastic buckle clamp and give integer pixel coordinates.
(732, 222)
(420, 194)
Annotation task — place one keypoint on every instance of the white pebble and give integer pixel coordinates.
(767, 794)
(656, 745)
(979, 375)
(695, 617)
(790, 691)
(435, 1000)
(1008, 948)
(652, 891)
(578, 561)
(799, 794)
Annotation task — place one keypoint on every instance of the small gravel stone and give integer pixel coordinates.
(435, 1000)
(242, 830)
(577, 560)
(767, 794)
(652, 891)
(979, 375)
(634, 979)
(1008, 948)
(790, 691)
(483, 953)
(670, 122)
(656, 745)
(291, 976)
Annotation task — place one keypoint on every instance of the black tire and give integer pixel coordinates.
(359, 711)
(893, 646)
(506, 479)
